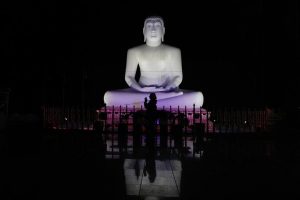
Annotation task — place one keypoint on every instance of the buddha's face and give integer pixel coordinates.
(153, 30)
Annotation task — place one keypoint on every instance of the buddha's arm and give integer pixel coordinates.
(131, 68)
(175, 71)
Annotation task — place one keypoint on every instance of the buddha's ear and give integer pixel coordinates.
(144, 34)
(163, 34)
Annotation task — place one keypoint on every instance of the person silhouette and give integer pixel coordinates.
(160, 72)
(151, 107)
(151, 118)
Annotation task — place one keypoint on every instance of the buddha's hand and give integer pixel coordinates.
(171, 88)
(153, 89)
(160, 89)
(148, 89)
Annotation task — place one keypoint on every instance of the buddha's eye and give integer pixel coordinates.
(157, 24)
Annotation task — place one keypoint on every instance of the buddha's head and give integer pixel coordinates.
(154, 30)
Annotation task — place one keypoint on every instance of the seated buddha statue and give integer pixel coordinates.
(160, 73)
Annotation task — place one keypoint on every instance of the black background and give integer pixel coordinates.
(238, 53)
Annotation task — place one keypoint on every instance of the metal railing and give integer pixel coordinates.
(215, 121)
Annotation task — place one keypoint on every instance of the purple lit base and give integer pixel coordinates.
(131, 98)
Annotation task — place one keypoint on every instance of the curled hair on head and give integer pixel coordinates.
(154, 17)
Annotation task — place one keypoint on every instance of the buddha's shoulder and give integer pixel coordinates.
(166, 46)
(137, 48)
(170, 48)
(163, 47)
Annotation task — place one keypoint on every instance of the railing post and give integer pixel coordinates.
(112, 131)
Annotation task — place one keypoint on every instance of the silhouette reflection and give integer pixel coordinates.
(146, 176)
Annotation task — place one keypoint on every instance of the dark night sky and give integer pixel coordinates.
(246, 53)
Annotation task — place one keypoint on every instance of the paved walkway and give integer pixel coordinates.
(163, 181)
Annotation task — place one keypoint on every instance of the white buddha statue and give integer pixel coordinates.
(161, 73)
